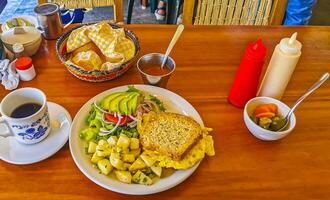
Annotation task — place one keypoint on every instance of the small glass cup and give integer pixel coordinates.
(154, 60)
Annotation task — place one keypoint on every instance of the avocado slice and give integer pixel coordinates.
(123, 104)
(105, 103)
(114, 104)
(132, 104)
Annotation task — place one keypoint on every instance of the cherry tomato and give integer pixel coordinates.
(111, 118)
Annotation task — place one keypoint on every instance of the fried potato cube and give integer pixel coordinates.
(138, 164)
(102, 142)
(156, 170)
(147, 159)
(129, 157)
(105, 166)
(95, 158)
(123, 141)
(112, 140)
(126, 166)
(136, 152)
(124, 176)
(91, 147)
(135, 143)
(115, 161)
(103, 150)
(141, 178)
(121, 150)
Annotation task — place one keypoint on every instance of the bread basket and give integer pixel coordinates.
(95, 75)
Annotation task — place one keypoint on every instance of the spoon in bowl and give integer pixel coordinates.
(285, 121)
(172, 43)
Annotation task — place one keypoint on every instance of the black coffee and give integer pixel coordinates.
(25, 110)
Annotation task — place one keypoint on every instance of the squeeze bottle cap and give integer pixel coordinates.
(23, 63)
(290, 45)
(257, 50)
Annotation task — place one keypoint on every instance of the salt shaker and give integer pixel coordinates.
(25, 68)
(18, 50)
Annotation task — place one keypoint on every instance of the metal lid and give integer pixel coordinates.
(46, 9)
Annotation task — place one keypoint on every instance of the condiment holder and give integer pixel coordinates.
(154, 61)
(259, 132)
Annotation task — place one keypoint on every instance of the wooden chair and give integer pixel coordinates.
(71, 4)
(234, 12)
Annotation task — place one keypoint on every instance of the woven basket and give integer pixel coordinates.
(95, 75)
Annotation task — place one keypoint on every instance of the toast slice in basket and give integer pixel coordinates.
(170, 134)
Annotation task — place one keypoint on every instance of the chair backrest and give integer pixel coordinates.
(70, 4)
(234, 12)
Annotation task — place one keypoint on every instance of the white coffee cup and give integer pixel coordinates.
(31, 129)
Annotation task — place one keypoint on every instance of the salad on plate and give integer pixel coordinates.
(112, 133)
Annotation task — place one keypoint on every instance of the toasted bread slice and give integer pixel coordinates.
(170, 134)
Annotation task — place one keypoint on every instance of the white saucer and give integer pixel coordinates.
(14, 152)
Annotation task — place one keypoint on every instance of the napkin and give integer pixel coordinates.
(8, 74)
(77, 38)
(112, 43)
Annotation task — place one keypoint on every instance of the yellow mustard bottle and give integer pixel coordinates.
(281, 66)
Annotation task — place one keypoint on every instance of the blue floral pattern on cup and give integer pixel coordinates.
(35, 130)
(20, 126)
(32, 133)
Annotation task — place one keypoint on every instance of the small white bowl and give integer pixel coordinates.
(262, 133)
(28, 36)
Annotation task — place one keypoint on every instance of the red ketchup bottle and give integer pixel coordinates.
(247, 77)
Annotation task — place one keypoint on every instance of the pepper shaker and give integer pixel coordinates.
(25, 68)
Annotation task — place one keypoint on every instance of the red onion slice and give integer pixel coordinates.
(104, 133)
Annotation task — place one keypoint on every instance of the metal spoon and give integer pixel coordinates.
(172, 43)
(316, 85)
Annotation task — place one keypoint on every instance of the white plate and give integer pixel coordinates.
(14, 152)
(109, 182)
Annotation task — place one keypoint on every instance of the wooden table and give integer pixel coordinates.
(297, 167)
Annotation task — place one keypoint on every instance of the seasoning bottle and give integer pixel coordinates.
(281, 67)
(25, 68)
(18, 50)
(247, 77)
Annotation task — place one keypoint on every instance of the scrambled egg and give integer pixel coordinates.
(196, 154)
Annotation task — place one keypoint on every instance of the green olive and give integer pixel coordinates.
(277, 123)
(265, 122)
